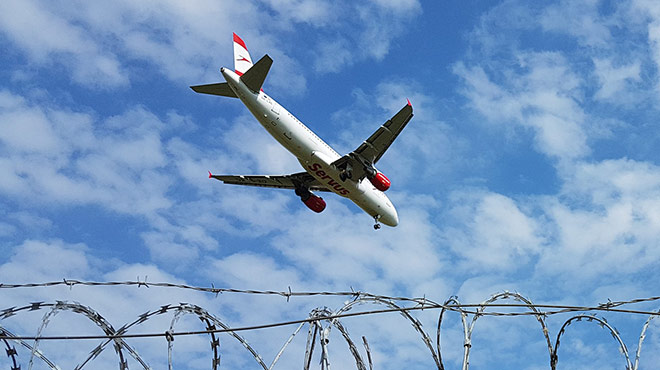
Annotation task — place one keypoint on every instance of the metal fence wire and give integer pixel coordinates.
(24, 349)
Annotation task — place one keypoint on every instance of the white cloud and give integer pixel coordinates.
(569, 82)
(333, 55)
(490, 232)
(580, 19)
(608, 221)
(318, 13)
(59, 155)
(380, 261)
(53, 157)
(45, 37)
(41, 261)
(648, 13)
(374, 24)
(542, 94)
(615, 80)
(486, 96)
(98, 42)
(614, 180)
(560, 137)
(264, 272)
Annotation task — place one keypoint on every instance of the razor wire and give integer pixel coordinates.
(320, 321)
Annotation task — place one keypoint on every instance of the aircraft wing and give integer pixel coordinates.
(375, 146)
(370, 151)
(292, 181)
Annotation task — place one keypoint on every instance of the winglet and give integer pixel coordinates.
(409, 102)
(212, 176)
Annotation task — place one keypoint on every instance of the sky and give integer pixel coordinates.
(531, 165)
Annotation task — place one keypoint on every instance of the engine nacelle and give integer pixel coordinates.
(315, 203)
(380, 181)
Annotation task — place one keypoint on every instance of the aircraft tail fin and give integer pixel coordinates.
(254, 77)
(242, 60)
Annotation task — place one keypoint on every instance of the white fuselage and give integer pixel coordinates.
(314, 154)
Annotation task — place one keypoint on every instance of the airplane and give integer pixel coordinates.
(353, 176)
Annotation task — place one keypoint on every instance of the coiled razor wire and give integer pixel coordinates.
(320, 322)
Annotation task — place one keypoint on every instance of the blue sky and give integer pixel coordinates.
(531, 165)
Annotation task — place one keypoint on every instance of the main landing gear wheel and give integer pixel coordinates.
(346, 174)
(377, 225)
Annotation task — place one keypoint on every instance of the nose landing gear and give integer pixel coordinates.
(377, 225)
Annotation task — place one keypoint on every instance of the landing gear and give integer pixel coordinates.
(377, 225)
(371, 172)
(303, 193)
(346, 173)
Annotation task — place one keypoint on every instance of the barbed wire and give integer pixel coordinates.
(489, 307)
(608, 306)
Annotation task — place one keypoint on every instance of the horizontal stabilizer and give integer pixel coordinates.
(255, 76)
(221, 89)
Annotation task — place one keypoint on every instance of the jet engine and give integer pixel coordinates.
(380, 181)
(313, 202)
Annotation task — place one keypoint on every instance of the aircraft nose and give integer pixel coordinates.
(390, 218)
